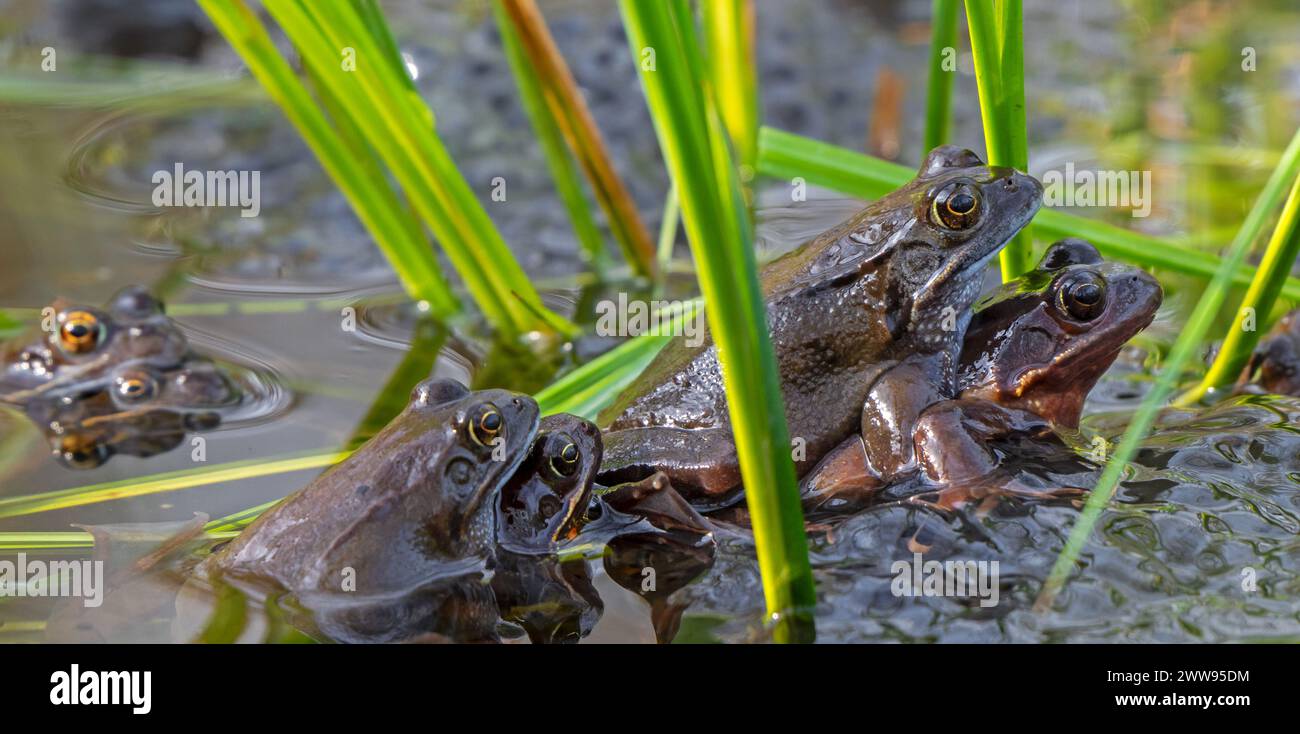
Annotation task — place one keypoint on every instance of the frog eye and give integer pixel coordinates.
(1082, 296)
(80, 332)
(564, 462)
(78, 452)
(134, 387)
(485, 424)
(956, 206)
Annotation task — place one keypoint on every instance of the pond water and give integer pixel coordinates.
(1212, 503)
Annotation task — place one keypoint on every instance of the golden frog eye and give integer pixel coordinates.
(485, 424)
(564, 462)
(135, 387)
(80, 332)
(956, 206)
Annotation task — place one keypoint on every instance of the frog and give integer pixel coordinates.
(117, 379)
(1274, 366)
(1034, 349)
(866, 322)
(544, 503)
(129, 348)
(417, 499)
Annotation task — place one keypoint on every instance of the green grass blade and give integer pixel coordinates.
(729, 31)
(1241, 340)
(786, 155)
(1189, 343)
(668, 228)
(695, 149)
(997, 45)
(551, 140)
(938, 97)
(31, 504)
(568, 108)
(374, 202)
(400, 128)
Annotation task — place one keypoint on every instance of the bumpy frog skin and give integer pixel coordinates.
(870, 313)
(419, 495)
(543, 503)
(121, 379)
(1034, 350)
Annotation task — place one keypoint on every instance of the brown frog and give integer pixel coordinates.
(417, 499)
(866, 321)
(1275, 365)
(543, 503)
(1034, 349)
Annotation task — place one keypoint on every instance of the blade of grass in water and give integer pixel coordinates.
(786, 155)
(551, 140)
(166, 482)
(372, 199)
(1187, 344)
(354, 66)
(427, 338)
(588, 389)
(668, 228)
(1244, 334)
(938, 99)
(997, 45)
(729, 35)
(568, 111)
(663, 42)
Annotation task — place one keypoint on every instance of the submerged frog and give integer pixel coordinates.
(543, 503)
(866, 321)
(1035, 348)
(121, 379)
(1275, 366)
(418, 495)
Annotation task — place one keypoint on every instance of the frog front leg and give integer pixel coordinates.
(952, 445)
(889, 417)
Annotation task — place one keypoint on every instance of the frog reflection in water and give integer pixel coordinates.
(1034, 349)
(866, 321)
(121, 379)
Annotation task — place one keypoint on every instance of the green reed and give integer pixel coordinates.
(666, 49)
(1190, 342)
(1243, 336)
(997, 45)
(938, 96)
(559, 113)
(729, 30)
(350, 54)
(568, 184)
(374, 202)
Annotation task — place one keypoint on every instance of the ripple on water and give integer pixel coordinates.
(305, 238)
